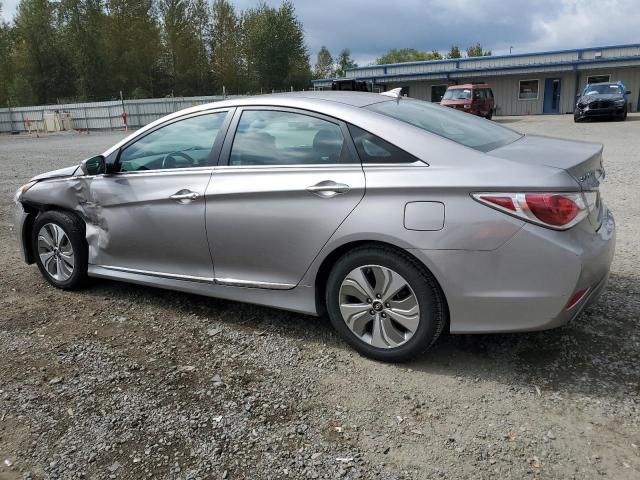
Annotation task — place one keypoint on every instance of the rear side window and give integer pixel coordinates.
(267, 137)
(373, 149)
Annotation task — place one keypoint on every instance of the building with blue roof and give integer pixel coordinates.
(523, 84)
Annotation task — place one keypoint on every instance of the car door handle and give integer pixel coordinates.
(328, 188)
(183, 196)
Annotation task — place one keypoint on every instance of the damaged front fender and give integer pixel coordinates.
(73, 194)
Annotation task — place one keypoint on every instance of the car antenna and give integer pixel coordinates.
(394, 93)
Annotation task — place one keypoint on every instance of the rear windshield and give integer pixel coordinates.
(457, 94)
(462, 128)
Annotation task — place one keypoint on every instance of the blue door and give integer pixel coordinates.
(551, 95)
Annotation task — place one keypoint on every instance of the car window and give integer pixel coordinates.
(267, 137)
(373, 149)
(467, 130)
(182, 144)
(602, 90)
(489, 93)
(457, 94)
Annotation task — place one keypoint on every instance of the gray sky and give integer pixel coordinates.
(370, 27)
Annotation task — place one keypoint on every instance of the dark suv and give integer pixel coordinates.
(602, 100)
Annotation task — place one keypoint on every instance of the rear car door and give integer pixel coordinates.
(152, 209)
(287, 180)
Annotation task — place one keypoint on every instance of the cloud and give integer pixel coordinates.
(370, 27)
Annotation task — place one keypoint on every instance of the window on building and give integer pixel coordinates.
(528, 90)
(598, 79)
(437, 92)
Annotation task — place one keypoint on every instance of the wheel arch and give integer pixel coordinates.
(322, 274)
(33, 211)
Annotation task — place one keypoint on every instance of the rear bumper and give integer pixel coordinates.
(525, 284)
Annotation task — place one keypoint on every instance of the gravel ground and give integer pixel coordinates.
(121, 381)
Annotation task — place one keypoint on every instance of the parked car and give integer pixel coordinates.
(599, 100)
(474, 98)
(397, 217)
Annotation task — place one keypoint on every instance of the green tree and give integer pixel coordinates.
(477, 51)
(226, 54)
(6, 62)
(324, 64)
(454, 52)
(200, 20)
(133, 47)
(402, 55)
(43, 71)
(181, 47)
(82, 30)
(344, 62)
(273, 41)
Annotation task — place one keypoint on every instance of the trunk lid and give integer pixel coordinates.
(582, 160)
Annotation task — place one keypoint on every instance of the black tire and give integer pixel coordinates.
(624, 115)
(577, 119)
(433, 311)
(489, 115)
(74, 228)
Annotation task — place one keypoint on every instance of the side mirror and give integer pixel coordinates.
(628, 92)
(93, 166)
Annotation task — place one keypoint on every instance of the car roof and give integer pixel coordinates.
(354, 99)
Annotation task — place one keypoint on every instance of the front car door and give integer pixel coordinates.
(152, 210)
(287, 180)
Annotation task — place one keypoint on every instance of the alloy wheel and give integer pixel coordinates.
(379, 306)
(56, 252)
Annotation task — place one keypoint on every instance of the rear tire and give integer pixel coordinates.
(60, 249)
(385, 323)
(489, 115)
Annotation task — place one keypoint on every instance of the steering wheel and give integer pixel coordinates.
(170, 160)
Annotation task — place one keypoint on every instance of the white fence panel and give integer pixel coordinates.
(99, 115)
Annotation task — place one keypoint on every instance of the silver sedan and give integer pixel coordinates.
(398, 218)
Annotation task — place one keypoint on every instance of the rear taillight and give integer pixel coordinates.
(554, 210)
(575, 298)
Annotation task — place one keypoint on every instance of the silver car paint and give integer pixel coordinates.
(498, 273)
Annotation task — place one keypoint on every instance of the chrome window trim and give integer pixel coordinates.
(418, 163)
(302, 167)
(162, 171)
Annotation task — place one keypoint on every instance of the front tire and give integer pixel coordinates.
(623, 117)
(385, 303)
(60, 249)
(489, 115)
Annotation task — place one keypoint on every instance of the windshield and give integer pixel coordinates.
(602, 89)
(460, 127)
(457, 94)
